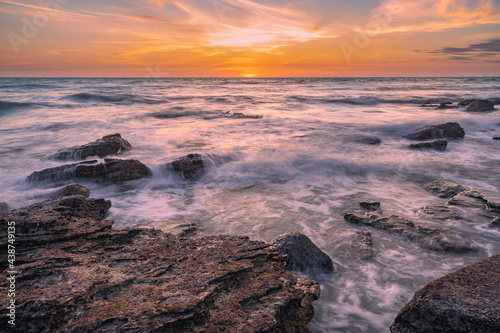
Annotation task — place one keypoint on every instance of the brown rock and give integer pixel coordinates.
(190, 166)
(465, 301)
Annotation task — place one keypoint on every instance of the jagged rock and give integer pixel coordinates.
(4, 207)
(448, 130)
(72, 189)
(477, 197)
(112, 170)
(444, 189)
(190, 166)
(465, 301)
(75, 205)
(426, 237)
(370, 205)
(436, 145)
(440, 212)
(495, 222)
(89, 278)
(107, 145)
(302, 253)
(368, 140)
(480, 106)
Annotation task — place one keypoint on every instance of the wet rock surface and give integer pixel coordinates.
(302, 254)
(443, 188)
(447, 130)
(477, 197)
(427, 237)
(370, 205)
(107, 145)
(4, 207)
(436, 145)
(440, 212)
(465, 301)
(191, 166)
(112, 170)
(355, 246)
(76, 274)
(480, 106)
(71, 189)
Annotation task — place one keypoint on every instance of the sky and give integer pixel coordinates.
(249, 38)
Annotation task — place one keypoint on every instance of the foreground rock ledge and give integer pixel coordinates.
(464, 301)
(78, 275)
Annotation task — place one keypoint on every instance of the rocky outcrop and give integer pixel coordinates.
(436, 145)
(71, 189)
(112, 170)
(448, 130)
(427, 237)
(302, 254)
(470, 198)
(444, 189)
(4, 207)
(74, 205)
(480, 106)
(76, 274)
(107, 145)
(191, 165)
(465, 301)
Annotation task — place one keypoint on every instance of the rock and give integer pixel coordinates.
(72, 189)
(495, 222)
(474, 197)
(446, 105)
(181, 230)
(448, 130)
(302, 254)
(466, 102)
(465, 301)
(496, 138)
(480, 106)
(4, 207)
(444, 189)
(440, 212)
(75, 205)
(87, 277)
(426, 237)
(190, 166)
(368, 140)
(370, 205)
(112, 170)
(436, 145)
(230, 114)
(107, 145)
(353, 246)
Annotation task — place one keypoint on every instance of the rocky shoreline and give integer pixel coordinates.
(76, 273)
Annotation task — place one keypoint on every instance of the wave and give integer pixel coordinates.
(6, 106)
(118, 99)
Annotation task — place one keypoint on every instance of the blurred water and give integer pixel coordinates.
(296, 169)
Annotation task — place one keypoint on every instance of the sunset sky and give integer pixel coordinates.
(250, 38)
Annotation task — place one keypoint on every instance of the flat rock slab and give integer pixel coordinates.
(440, 212)
(430, 238)
(107, 145)
(87, 277)
(466, 301)
(476, 197)
(448, 130)
(112, 170)
(443, 188)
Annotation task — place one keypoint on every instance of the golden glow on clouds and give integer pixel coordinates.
(248, 38)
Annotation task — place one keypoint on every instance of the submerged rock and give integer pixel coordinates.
(495, 222)
(107, 145)
(112, 170)
(440, 212)
(477, 197)
(191, 165)
(436, 145)
(353, 246)
(466, 102)
(370, 205)
(72, 189)
(480, 106)
(302, 253)
(448, 130)
(78, 275)
(426, 237)
(443, 188)
(496, 138)
(446, 105)
(466, 301)
(4, 207)
(368, 140)
(230, 114)
(75, 205)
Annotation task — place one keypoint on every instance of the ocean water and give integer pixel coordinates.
(298, 168)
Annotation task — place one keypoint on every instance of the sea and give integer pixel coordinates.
(281, 155)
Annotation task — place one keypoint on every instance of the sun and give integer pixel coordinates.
(249, 75)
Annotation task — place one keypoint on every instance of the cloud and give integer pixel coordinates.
(490, 46)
